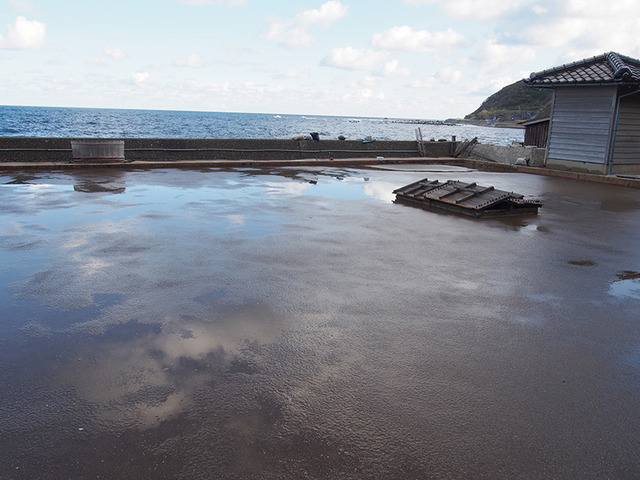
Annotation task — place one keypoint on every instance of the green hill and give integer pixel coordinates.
(514, 102)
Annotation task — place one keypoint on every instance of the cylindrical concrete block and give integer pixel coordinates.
(97, 150)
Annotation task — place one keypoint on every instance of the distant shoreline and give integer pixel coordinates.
(484, 123)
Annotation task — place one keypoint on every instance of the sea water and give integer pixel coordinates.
(20, 121)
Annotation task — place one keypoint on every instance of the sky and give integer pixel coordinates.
(419, 59)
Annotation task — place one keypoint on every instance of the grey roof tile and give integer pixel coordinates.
(609, 69)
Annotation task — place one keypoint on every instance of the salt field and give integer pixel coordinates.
(297, 323)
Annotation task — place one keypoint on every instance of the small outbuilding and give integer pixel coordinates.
(594, 123)
(536, 130)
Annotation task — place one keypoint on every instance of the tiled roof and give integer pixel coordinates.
(606, 69)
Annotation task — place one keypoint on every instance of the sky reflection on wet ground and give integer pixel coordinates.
(296, 323)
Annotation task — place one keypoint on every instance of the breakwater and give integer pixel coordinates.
(41, 149)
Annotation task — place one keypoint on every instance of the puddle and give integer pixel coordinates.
(425, 168)
(52, 320)
(352, 189)
(89, 186)
(627, 285)
(341, 184)
(633, 358)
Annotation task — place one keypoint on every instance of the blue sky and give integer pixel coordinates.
(430, 59)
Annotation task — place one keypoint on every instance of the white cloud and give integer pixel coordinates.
(539, 10)
(111, 52)
(494, 55)
(247, 90)
(292, 73)
(350, 58)
(425, 83)
(288, 188)
(476, 9)
(405, 38)
(364, 95)
(497, 66)
(328, 13)
(446, 76)
(583, 28)
(392, 69)
(140, 78)
(366, 82)
(97, 61)
(479, 9)
(24, 35)
(490, 84)
(380, 190)
(450, 75)
(221, 3)
(21, 5)
(294, 32)
(594, 9)
(359, 97)
(420, 2)
(114, 53)
(193, 60)
(558, 32)
(237, 219)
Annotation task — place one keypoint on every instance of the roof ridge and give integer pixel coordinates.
(619, 67)
(627, 59)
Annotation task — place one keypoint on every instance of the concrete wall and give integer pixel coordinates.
(508, 154)
(31, 149)
(573, 166)
(596, 168)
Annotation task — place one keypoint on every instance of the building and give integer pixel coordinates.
(594, 124)
(536, 130)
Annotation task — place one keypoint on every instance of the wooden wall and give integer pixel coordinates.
(627, 146)
(536, 134)
(581, 124)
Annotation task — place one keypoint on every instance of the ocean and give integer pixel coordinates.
(18, 121)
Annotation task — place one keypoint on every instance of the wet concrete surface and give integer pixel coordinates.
(296, 323)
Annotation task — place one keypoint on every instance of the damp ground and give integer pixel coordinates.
(297, 323)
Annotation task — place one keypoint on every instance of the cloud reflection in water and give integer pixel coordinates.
(146, 379)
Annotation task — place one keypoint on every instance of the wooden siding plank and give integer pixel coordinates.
(591, 141)
(579, 148)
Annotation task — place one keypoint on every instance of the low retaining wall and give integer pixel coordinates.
(32, 149)
(533, 156)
